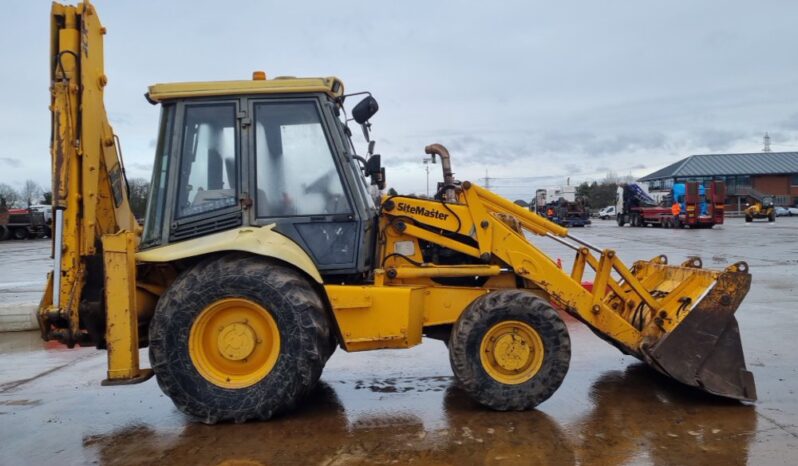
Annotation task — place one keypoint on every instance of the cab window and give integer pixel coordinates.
(295, 171)
(207, 177)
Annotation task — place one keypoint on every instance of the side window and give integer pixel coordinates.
(296, 174)
(207, 179)
(153, 222)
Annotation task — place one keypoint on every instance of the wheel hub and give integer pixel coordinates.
(511, 352)
(236, 341)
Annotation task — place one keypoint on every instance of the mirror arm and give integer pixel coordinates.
(365, 127)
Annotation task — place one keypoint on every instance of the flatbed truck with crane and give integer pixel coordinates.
(699, 207)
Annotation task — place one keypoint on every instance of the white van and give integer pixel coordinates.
(607, 212)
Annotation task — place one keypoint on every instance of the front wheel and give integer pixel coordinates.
(510, 350)
(238, 337)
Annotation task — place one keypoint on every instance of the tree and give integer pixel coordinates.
(139, 189)
(47, 198)
(597, 195)
(392, 192)
(9, 194)
(30, 192)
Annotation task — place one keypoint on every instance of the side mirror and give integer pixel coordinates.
(373, 165)
(375, 171)
(365, 109)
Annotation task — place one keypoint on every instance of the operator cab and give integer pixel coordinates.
(263, 152)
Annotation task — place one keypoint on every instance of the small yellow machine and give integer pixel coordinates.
(762, 208)
(263, 249)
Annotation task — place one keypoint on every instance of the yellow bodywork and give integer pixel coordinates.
(121, 333)
(330, 85)
(262, 241)
(645, 301)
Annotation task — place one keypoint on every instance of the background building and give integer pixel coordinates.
(753, 174)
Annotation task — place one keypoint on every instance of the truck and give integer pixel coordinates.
(21, 223)
(561, 206)
(263, 250)
(699, 207)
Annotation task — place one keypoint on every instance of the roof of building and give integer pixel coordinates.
(280, 85)
(757, 163)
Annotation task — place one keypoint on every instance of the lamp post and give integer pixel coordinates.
(427, 161)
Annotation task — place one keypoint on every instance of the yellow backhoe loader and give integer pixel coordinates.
(263, 249)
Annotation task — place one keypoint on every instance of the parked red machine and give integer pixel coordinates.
(699, 207)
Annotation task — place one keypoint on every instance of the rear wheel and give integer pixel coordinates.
(238, 338)
(5, 233)
(510, 350)
(20, 233)
(620, 220)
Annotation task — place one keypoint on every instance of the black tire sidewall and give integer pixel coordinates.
(176, 313)
(526, 308)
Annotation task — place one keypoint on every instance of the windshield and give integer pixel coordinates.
(346, 135)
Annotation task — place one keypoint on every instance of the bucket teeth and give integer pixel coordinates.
(705, 350)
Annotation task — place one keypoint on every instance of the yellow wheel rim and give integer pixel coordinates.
(511, 352)
(234, 343)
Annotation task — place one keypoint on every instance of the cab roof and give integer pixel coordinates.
(331, 86)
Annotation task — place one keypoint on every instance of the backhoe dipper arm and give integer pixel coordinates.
(90, 196)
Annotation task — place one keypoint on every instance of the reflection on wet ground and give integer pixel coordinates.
(403, 407)
(636, 416)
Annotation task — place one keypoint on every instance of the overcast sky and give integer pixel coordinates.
(534, 92)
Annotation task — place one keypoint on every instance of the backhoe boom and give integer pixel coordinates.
(90, 196)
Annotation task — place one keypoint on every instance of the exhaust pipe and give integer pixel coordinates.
(446, 163)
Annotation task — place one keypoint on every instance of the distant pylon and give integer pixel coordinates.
(766, 140)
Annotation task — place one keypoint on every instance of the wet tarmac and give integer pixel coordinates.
(402, 407)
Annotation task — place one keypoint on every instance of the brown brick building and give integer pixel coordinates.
(752, 174)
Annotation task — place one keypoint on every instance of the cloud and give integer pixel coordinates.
(717, 140)
(10, 161)
(789, 123)
(119, 118)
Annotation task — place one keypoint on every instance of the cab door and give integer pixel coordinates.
(296, 181)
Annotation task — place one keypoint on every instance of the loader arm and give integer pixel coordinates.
(90, 195)
(678, 319)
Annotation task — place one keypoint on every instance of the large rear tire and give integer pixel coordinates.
(510, 350)
(5, 233)
(20, 233)
(239, 337)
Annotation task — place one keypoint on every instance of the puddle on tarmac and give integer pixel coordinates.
(636, 416)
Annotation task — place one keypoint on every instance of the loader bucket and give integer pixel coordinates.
(704, 350)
